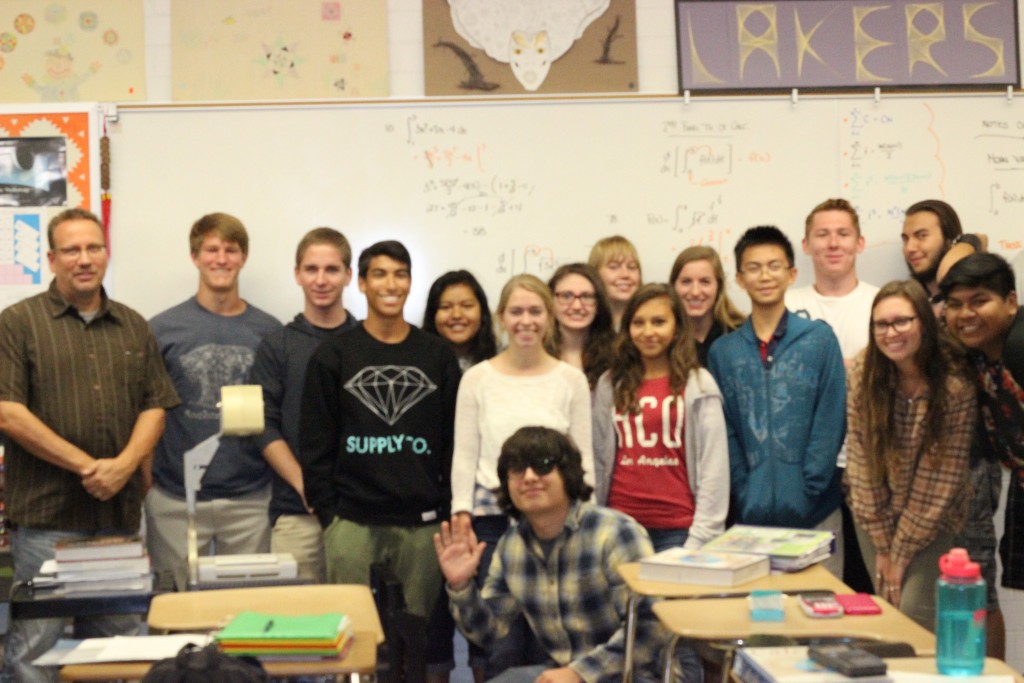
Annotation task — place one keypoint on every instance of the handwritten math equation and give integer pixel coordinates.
(675, 127)
(416, 129)
(453, 156)
(455, 196)
(532, 258)
(709, 162)
(689, 216)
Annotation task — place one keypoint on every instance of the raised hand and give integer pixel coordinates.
(458, 551)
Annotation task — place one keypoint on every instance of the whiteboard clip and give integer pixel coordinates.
(795, 96)
(1009, 93)
(686, 97)
(878, 95)
(110, 112)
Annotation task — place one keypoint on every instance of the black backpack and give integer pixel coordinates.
(194, 664)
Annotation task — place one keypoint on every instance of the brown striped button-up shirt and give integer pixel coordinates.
(88, 382)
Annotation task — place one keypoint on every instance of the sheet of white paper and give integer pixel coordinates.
(119, 649)
(915, 677)
(146, 648)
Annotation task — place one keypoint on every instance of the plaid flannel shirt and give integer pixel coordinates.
(905, 511)
(573, 598)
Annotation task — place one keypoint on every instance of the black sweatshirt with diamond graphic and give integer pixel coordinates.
(377, 428)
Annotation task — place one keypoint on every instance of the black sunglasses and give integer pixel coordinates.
(540, 465)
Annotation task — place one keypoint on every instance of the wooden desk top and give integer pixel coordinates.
(212, 609)
(360, 658)
(814, 577)
(993, 667)
(729, 619)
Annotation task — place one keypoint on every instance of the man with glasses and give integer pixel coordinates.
(557, 567)
(83, 392)
(784, 390)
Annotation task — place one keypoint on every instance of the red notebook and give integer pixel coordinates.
(858, 603)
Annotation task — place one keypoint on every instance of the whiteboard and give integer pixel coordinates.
(511, 186)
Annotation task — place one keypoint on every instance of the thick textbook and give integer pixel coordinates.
(99, 568)
(98, 548)
(789, 549)
(704, 568)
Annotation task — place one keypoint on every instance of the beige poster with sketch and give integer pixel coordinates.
(278, 49)
(506, 47)
(71, 51)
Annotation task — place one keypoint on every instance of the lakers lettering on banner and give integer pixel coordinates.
(733, 46)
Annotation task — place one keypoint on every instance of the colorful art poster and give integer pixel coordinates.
(47, 164)
(514, 47)
(278, 49)
(72, 51)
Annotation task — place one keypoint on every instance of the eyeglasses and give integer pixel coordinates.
(539, 465)
(774, 267)
(899, 325)
(92, 250)
(566, 298)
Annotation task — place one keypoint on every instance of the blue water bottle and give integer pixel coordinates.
(960, 602)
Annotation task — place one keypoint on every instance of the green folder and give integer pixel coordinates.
(257, 626)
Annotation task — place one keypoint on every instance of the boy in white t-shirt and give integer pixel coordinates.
(832, 239)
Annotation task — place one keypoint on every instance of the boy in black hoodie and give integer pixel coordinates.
(323, 268)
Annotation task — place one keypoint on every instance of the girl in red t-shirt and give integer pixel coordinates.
(659, 429)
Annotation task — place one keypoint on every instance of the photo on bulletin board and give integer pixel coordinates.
(33, 171)
(531, 46)
(258, 50)
(72, 51)
(742, 46)
(48, 162)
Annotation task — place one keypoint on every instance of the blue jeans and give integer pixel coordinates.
(519, 646)
(29, 638)
(663, 539)
(687, 660)
(521, 674)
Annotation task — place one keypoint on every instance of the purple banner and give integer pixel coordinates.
(744, 46)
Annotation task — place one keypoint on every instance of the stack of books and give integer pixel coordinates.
(97, 565)
(272, 636)
(790, 550)
(703, 568)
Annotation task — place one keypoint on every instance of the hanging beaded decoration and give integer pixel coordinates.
(105, 182)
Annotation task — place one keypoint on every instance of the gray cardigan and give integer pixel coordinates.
(707, 451)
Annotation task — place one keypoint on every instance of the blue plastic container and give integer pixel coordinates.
(960, 611)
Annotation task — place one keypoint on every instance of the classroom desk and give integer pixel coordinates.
(814, 577)
(361, 658)
(926, 665)
(29, 603)
(212, 609)
(730, 621)
(993, 667)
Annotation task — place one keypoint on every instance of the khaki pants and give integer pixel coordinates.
(917, 598)
(229, 526)
(301, 536)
